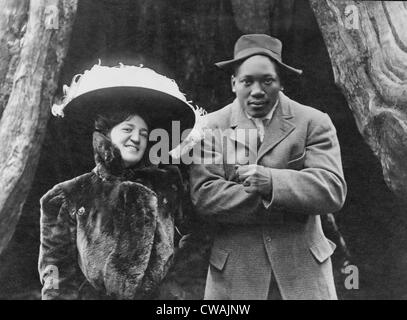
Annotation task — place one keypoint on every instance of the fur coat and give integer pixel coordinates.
(110, 231)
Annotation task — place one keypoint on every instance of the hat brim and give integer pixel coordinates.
(228, 65)
(160, 108)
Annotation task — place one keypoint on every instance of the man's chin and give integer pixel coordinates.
(258, 112)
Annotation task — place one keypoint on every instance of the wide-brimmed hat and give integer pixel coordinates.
(256, 44)
(135, 89)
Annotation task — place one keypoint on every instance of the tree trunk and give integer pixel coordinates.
(23, 124)
(263, 16)
(13, 19)
(367, 44)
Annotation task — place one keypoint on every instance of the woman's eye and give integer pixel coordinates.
(247, 82)
(127, 130)
(144, 134)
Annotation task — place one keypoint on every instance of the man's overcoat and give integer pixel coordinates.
(256, 239)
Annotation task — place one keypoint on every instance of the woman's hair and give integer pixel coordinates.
(106, 121)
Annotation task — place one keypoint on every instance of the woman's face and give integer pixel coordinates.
(130, 137)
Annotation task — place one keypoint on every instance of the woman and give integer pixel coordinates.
(110, 233)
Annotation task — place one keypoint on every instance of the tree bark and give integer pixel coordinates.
(263, 16)
(23, 124)
(367, 45)
(13, 19)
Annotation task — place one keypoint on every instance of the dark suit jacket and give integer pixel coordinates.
(285, 238)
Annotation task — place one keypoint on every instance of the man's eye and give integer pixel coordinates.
(247, 82)
(268, 81)
(127, 130)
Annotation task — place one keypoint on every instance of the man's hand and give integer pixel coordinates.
(256, 179)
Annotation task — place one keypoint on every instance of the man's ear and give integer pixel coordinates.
(233, 83)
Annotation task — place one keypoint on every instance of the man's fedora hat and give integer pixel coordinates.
(256, 44)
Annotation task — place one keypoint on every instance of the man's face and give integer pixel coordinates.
(256, 84)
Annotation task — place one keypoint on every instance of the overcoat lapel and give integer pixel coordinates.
(277, 130)
(243, 132)
(279, 127)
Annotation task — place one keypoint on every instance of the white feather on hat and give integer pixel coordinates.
(123, 76)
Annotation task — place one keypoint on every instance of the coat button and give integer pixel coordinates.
(268, 239)
(81, 211)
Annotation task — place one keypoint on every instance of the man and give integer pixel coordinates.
(270, 244)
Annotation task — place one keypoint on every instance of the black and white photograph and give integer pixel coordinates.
(179, 150)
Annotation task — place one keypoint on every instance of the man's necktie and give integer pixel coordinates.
(260, 125)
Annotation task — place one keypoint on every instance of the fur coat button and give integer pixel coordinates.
(81, 211)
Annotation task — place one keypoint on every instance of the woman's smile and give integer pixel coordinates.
(130, 146)
(130, 137)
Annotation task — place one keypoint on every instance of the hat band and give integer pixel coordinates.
(247, 53)
(253, 51)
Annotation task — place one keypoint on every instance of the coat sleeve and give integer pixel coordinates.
(58, 266)
(176, 186)
(214, 197)
(319, 186)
